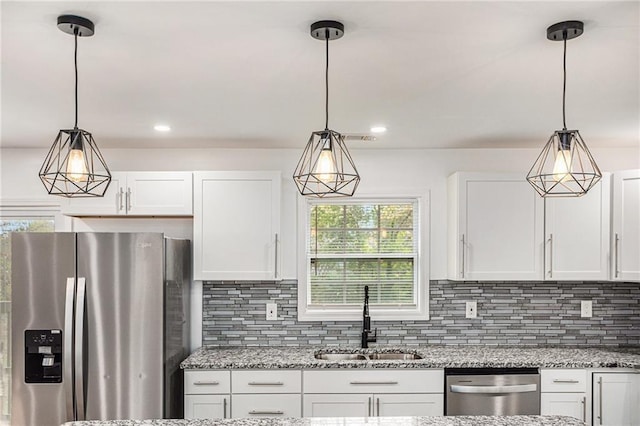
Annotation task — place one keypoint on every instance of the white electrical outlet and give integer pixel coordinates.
(272, 312)
(472, 309)
(586, 309)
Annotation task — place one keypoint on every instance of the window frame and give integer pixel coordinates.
(419, 312)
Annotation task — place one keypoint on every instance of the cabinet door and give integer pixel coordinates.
(496, 228)
(159, 193)
(337, 405)
(266, 405)
(206, 406)
(626, 226)
(616, 399)
(112, 204)
(564, 404)
(577, 233)
(409, 404)
(236, 225)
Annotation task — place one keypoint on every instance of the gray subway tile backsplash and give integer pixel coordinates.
(509, 313)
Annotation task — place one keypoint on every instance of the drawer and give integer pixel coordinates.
(198, 382)
(374, 381)
(266, 381)
(280, 405)
(565, 380)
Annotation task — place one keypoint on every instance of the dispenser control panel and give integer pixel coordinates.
(43, 356)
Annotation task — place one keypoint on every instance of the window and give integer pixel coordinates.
(12, 219)
(350, 244)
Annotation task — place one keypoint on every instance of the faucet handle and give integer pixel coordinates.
(375, 335)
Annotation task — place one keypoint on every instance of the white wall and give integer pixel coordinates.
(383, 172)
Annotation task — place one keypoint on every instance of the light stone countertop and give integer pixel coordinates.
(354, 421)
(209, 357)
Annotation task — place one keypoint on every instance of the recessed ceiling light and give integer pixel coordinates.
(162, 128)
(378, 129)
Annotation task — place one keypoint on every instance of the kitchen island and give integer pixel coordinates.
(354, 421)
(209, 357)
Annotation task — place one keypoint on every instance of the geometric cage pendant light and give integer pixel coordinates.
(565, 167)
(74, 166)
(326, 168)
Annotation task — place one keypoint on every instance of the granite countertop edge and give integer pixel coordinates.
(291, 357)
(352, 421)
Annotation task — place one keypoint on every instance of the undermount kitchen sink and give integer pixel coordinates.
(378, 356)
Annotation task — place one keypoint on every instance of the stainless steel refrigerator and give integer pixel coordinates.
(99, 326)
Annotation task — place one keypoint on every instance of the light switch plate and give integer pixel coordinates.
(471, 309)
(272, 311)
(586, 309)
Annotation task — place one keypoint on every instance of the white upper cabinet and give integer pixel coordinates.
(626, 226)
(139, 194)
(495, 228)
(577, 231)
(237, 226)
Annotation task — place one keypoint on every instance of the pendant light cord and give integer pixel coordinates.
(75, 64)
(326, 81)
(564, 79)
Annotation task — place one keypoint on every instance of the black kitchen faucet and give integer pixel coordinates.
(366, 322)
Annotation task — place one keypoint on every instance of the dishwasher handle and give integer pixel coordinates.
(494, 389)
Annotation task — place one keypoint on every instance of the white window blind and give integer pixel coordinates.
(362, 243)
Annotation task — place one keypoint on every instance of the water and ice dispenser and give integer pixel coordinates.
(43, 356)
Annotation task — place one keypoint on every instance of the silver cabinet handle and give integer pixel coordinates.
(120, 194)
(128, 199)
(494, 389)
(224, 408)
(68, 347)
(369, 408)
(378, 407)
(203, 383)
(600, 400)
(616, 262)
(390, 382)
(550, 255)
(584, 408)
(267, 412)
(463, 245)
(565, 381)
(277, 247)
(79, 349)
(266, 384)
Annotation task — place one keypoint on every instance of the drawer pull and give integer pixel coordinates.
(565, 381)
(262, 412)
(201, 383)
(266, 384)
(390, 382)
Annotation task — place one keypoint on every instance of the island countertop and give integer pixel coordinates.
(443, 356)
(354, 421)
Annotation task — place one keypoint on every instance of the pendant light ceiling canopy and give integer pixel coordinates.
(326, 168)
(74, 166)
(565, 167)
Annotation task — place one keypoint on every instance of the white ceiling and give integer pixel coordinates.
(248, 74)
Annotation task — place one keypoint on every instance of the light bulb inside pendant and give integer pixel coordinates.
(325, 169)
(76, 163)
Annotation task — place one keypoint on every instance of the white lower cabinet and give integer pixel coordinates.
(616, 399)
(266, 405)
(266, 393)
(368, 393)
(564, 393)
(207, 394)
(206, 406)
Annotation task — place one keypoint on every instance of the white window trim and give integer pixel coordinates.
(34, 209)
(421, 311)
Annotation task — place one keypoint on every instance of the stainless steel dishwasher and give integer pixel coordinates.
(492, 391)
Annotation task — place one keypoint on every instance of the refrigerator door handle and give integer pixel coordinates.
(79, 349)
(67, 361)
